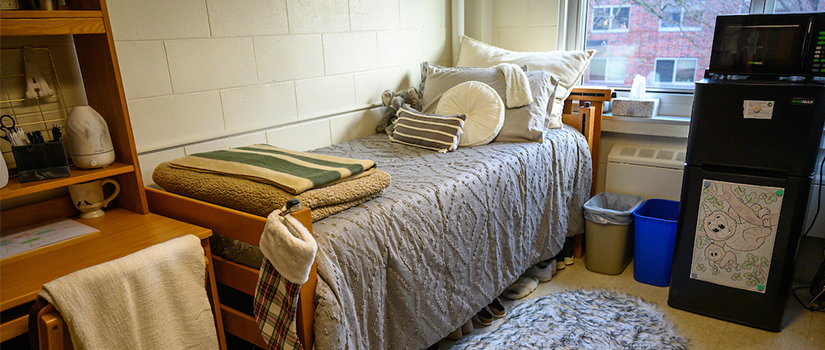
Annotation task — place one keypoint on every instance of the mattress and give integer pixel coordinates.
(450, 233)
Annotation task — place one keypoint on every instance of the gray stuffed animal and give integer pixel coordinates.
(392, 102)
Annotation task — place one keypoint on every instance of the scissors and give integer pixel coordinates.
(8, 129)
(13, 135)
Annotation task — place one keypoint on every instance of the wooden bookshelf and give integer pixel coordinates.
(17, 189)
(127, 225)
(28, 23)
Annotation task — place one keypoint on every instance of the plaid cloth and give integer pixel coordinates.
(276, 301)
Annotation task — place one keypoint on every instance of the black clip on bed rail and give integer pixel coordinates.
(292, 205)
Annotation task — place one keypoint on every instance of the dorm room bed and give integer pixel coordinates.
(450, 234)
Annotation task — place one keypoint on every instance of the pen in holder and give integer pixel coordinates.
(41, 161)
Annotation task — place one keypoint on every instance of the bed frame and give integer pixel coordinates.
(248, 228)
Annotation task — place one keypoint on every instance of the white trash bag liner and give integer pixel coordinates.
(611, 208)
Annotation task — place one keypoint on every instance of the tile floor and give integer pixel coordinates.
(803, 330)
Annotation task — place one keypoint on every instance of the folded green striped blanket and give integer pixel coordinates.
(294, 172)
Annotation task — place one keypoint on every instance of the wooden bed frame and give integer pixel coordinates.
(248, 228)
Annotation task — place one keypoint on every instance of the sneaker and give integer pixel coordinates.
(559, 258)
(560, 264)
(569, 246)
(543, 270)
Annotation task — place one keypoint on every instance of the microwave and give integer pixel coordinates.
(769, 46)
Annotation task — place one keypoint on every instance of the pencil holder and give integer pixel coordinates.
(41, 161)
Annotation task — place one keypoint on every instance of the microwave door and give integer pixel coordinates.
(761, 49)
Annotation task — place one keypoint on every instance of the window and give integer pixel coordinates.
(799, 6)
(677, 18)
(668, 42)
(607, 69)
(611, 18)
(674, 71)
(663, 41)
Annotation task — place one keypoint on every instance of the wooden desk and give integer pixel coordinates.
(122, 232)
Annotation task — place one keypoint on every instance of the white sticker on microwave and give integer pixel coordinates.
(754, 109)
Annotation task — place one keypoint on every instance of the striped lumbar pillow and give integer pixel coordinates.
(431, 131)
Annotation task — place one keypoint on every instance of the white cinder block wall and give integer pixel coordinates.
(300, 74)
(518, 25)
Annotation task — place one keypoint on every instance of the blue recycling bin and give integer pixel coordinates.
(655, 239)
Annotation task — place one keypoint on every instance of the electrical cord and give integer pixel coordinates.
(808, 306)
(818, 198)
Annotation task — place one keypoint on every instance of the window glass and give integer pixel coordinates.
(598, 68)
(601, 18)
(685, 71)
(685, 16)
(799, 6)
(607, 69)
(671, 17)
(615, 68)
(664, 71)
(666, 41)
(611, 18)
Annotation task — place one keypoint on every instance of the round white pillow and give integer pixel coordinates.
(483, 107)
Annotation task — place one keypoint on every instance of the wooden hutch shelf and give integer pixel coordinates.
(20, 23)
(17, 189)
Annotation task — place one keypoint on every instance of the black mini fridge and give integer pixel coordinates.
(752, 152)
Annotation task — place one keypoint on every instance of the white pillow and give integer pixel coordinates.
(482, 106)
(566, 66)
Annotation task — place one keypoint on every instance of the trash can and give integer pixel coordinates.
(608, 232)
(655, 231)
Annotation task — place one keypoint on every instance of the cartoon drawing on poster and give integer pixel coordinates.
(735, 234)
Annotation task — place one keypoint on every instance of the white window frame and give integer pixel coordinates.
(679, 26)
(611, 7)
(675, 64)
(607, 69)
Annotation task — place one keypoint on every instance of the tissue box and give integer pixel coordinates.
(626, 107)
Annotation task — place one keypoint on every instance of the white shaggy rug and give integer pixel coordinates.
(583, 319)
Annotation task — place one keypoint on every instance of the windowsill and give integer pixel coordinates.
(667, 126)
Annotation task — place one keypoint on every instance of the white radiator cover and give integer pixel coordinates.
(645, 170)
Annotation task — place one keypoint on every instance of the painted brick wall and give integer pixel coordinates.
(525, 25)
(301, 74)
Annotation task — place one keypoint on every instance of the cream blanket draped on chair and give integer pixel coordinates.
(152, 299)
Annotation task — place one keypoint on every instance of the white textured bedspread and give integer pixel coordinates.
(451, 232)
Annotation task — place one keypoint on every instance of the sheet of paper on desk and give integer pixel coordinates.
(29, 238)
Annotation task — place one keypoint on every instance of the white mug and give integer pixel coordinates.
(88, 197)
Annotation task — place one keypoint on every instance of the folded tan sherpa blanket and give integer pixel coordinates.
(262, 198)
(293, 171)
